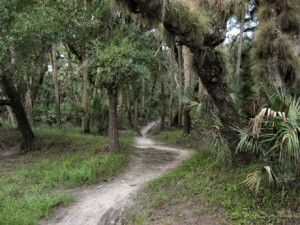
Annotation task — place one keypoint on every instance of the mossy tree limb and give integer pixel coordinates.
(190, 26)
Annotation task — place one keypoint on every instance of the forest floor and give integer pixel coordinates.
(203, 190)
(35, 183)
(72, 171)
(105, 203)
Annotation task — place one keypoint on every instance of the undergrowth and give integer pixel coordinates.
(33, 184)
(202, 186)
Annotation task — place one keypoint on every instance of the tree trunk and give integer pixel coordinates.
(112, 92)
(143, 97)
(180, 86)
(85, 97)
(71, 79)
(239, 55)
(201, 90)
(172, 74)
(187, 83)
(163, 104)
(128, 104)
(36, 86)
(210, 72)
(136, 111)
(29, 106)
(121, 111)
(11, 116)
(296, 84)
(187, 122)
(153, 89)
(71, 85)
(171, 100)
(56, 84)
(18, 110)
(34, 82)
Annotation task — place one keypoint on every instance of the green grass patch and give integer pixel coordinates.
(60, 159)
(174, 137)
(202, 181)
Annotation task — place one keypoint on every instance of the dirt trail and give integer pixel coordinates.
(105, 203)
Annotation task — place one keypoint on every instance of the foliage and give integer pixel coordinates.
(128, 59)
(188, 190)
(99, 112)
(254, 179)
(195, 21)
(273, 136)
(29, 29)
(274, 41)
(201, 105)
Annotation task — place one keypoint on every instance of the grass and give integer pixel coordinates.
(175, 137)
(201, 187)
(33, 184)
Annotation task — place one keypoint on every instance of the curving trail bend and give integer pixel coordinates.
(104, 204)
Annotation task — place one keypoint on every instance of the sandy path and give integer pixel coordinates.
(104, 203)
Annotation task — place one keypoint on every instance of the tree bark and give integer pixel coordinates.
(36, 87)
(11, 116)
(201, 90)
(112, 92)
(18, 109)
(128, 104)
(136, 111)
(85, 97)
(239, 55)
(171, 100)
(55, 84)
(187, 83)
(163, 104)
(121, 111)
(172, 74)
(143, 97)
(297, 53)
(153, 89)
(180, 86)
(29, 106)
(210, 72)
(73, 112)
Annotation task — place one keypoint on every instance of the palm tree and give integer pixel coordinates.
(275, 132)
(273, 136)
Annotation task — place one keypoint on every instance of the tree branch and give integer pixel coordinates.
(5, 102)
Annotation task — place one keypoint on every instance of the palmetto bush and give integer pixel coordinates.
(273, 136)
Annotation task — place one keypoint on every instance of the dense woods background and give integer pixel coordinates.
(224, 69)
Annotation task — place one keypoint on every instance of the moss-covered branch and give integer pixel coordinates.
(201, 27)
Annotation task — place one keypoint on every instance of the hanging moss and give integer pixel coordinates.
(288, 15)
(264, 12)
(265, 39)
(194, 23)
(258, 68)
(275, 40)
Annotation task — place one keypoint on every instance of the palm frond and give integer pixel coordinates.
(254, 180)
(277, 97)
(247, 142)
(288, 141)
(294, 109)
